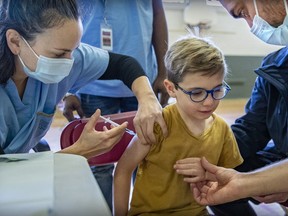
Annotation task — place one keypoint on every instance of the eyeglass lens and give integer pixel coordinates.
(201, 94)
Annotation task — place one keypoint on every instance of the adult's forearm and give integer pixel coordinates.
(268, 180)
(143, 90)
(160, 35)
(73, 150)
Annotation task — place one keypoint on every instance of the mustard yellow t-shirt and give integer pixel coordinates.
(158, 189)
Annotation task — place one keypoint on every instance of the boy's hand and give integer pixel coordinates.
(191, 169)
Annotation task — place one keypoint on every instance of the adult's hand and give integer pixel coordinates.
(149, 111)
(92, 142)
(147, 115)
(71, 104)
(221, 189)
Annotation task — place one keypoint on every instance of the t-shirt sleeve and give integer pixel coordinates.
(230, 156)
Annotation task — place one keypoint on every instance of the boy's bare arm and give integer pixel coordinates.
(130, 159)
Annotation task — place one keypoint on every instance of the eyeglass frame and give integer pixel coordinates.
(225, 85)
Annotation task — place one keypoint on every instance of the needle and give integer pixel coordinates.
(115, 124)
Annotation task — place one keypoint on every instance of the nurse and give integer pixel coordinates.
(41, 58)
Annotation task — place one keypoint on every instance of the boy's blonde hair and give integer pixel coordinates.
(193, 54)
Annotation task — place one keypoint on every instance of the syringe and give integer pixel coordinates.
(116, 124)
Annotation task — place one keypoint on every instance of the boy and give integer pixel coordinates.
(196, 71)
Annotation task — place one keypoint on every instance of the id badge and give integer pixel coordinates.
(106, 35)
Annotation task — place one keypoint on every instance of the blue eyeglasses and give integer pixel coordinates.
(200, 94)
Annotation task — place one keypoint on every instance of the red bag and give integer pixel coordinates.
(72, 131)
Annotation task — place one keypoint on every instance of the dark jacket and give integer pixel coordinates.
(266, 115)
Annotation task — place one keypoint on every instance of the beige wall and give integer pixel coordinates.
(231, 35)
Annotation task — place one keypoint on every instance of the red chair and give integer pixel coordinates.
(72, 131)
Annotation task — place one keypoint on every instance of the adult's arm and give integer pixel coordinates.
(251, 130)
(128, 70)
(149, 112)
(227, 185)
(120, 67)
(124, 68)
(160, 44)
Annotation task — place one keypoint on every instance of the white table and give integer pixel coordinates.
(49, 184)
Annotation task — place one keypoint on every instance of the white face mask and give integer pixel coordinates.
(48, 70)
(269, 34)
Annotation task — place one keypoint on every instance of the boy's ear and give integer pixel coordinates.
(170, 87)
(13, 41)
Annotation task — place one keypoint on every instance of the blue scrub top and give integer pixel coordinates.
(132, 26)
(24, 122)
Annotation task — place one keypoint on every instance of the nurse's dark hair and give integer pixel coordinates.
(29, 18)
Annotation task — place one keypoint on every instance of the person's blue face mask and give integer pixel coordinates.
(269, 34)
(48, 70)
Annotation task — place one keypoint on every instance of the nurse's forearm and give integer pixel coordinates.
(143, 90)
